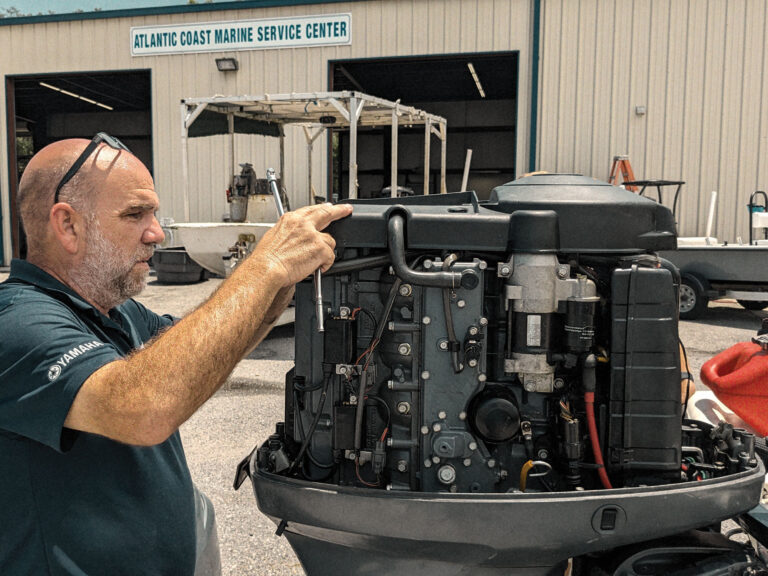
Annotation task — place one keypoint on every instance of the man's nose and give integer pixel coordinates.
(154, 234)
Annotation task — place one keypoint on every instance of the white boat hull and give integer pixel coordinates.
(207, 243)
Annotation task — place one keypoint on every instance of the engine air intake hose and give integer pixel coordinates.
(441, 279)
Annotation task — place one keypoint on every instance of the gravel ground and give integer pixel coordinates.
(243, 414)
(225, 430)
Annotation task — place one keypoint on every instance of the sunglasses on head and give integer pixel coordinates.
(110, 141)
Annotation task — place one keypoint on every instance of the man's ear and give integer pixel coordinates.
(68, 227)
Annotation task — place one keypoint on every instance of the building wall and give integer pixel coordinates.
(700, 67)
(380, 28)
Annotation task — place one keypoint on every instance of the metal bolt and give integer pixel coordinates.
(505, 270)
(352, 399)
(446, 474)
(403, 407)
(454, 488)
(441, 414)
(473, 445)
(559, 383)
(436, 427)
(467, 461)
(543, 454)
(481, 377)
(425, 430)
(344, 311)
(427, 463)
(402, 466)
(351, 456)
(462, 415)
(390, 384)
(483, 321)
(435, 459)
(443, 345)
(404, 349)
(426, 320)
(473, 330)
(342, 370)
(491, 463)
(482, 264)
(562, 271)
(461, 303)
(472, 362)
(427, 264)
(425, 375)
(405, 290)
(530, 386)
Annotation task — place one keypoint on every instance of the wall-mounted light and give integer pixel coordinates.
(226, 64)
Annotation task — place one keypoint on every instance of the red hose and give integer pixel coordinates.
(589, 400)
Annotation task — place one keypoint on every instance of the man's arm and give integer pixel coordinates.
(145, 397)
(279, 304)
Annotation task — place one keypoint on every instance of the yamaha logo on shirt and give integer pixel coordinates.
(55, 370)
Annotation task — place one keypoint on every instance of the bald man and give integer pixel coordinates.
(93, 386)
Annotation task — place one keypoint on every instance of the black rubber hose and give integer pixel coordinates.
(303, 438)
(359, 412)
(396, 233)
(358, 264)
(312, 427)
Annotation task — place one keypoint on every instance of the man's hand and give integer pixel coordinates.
(296, 246)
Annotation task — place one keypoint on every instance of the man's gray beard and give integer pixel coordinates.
(107, 279)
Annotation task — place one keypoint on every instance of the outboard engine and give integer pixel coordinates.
(497, 391)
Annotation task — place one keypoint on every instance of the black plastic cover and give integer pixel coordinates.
(449, 221)
(594, 215)
(585, 216)
(644, 427)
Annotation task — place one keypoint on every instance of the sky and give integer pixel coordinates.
(67, 6)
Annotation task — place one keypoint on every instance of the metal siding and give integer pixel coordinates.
(693, 202)
(549, 75)
(379, 28)
(701, 70)
(600, 129)
(6, 47)
(672, 150)
(762, 150)
(585, 84)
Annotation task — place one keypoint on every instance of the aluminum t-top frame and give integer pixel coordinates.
(315, 112)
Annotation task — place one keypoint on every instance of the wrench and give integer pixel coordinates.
(317, 276)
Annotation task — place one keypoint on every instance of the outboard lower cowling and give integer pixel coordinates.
(497, 390)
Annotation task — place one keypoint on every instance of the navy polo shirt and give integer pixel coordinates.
(73, 502)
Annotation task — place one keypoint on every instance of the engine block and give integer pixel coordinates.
(489, 352)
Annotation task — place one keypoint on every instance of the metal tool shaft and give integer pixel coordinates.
(318, 279)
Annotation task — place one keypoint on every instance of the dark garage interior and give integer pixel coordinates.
(46, 108)
(480, 108)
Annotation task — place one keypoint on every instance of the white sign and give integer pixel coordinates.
(324, 30)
